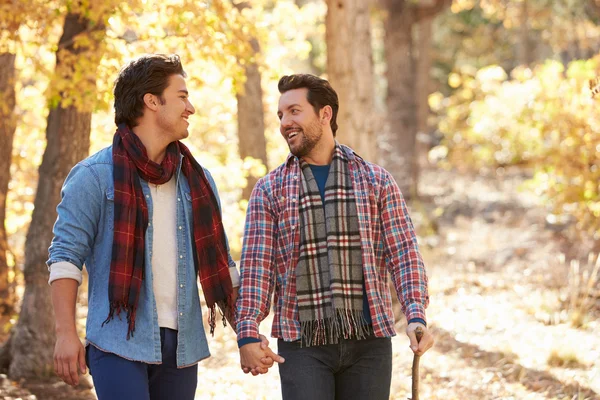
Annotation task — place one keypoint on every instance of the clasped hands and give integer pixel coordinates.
(257, 358)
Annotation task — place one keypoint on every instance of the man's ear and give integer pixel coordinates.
(151, 101)
(326, 115)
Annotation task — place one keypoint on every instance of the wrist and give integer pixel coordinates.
(65, 330)
(417, 320)
(247, 340)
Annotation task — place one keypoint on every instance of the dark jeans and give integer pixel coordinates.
(351, 369)
(116, 378)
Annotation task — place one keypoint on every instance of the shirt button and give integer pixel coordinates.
(293, 227)
(147, 196)
(149, 223)
(180, 313)
(181, 285)
(179, 199)
(282, 198)
(293, 200)
(180, 256)
(179, 227)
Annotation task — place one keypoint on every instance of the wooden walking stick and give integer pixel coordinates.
(415, 367)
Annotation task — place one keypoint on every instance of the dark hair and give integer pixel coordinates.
(320, 93)
(147, 74)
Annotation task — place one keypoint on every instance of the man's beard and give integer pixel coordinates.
(310, 137)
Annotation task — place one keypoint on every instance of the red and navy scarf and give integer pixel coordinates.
(131, 162)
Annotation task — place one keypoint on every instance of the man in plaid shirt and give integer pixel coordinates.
(322, 232)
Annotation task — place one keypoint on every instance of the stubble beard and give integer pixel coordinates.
(177, 131)
(310, 137)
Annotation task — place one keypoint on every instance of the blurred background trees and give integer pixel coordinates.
(463, 84)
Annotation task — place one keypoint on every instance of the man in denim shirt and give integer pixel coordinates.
(144, 328)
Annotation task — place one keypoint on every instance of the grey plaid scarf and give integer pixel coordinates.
(329, 274)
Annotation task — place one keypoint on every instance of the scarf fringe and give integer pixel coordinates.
(116, 308)
(226, 308)
(346, 324)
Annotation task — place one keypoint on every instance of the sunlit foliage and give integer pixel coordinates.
(545, 119)
(211, 38)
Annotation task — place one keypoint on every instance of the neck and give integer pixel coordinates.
(322, 153)
(154, 142)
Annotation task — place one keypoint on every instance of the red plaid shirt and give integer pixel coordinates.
(271, 250)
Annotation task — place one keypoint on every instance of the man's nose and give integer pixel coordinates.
(191, 108)
(286, 121)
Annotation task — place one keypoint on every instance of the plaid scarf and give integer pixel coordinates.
(131, 162)
(329, 274)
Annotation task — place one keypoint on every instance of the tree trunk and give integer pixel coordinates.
(251, 117)
(251, 121)
(407, 104)
(7, 133)
(525, 48)
(68, 140)
(423, 139)
(350, 71)
(398, 151)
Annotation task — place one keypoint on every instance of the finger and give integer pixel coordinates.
(274, 357)
(73, 373)
(254, 372)
(246, 370)
(426, 343)
(414, 344)
(56, 367)
(82, 366)
(66, 375)
(59, 369)
(64, 372)
(264, 341)
(267, 361)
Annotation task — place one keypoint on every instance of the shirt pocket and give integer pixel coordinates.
(110, 209)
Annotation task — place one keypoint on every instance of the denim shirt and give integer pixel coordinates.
(83, 234)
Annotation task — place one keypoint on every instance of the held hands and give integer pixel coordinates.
(257, 358)
(419, 348)
(69, 357)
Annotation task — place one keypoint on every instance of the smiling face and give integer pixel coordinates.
(300, 126)
(174, 109)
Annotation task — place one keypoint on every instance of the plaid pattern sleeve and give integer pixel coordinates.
(257, 264)
(401, 249)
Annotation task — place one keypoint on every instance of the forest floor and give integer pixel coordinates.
(502, 306)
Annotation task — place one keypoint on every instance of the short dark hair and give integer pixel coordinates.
(320, 93)
(146, 74)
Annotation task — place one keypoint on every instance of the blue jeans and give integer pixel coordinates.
(116, 378)
(351, 369)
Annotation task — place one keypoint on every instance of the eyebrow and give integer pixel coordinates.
(183, 91)
(290, 106)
